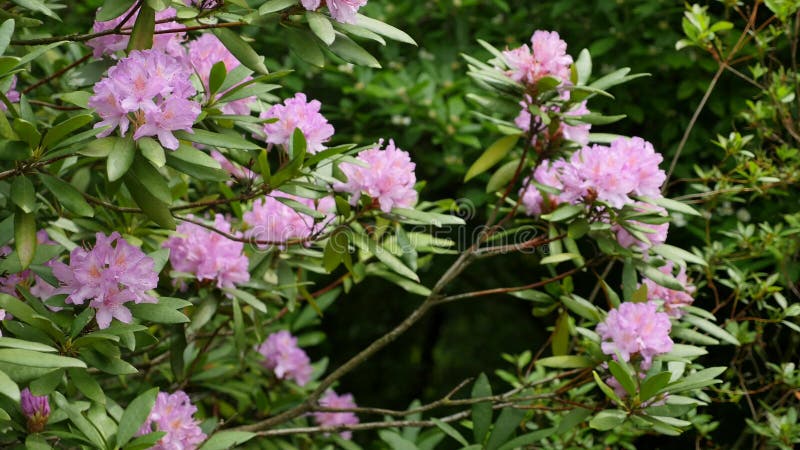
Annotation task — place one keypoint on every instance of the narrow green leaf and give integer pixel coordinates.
(87, 385)
(112, 9)
(608, 419)
(224, 440)
(38, 6)
(492, 155)
(273, 6)
(120, 158)
(6, 31)
(450, 431)
(563, 212)
(152, 151)
(606, 389)
(526, 440)
(436, 219)
(213, 139)
(303, 44)
(508, 421)
(23, 194)
(565, 362)
(31, 358)
(653, 384)
(383, 29)
(321, 26)
(151, 179)
(157, 313)
(623, 377)
(392, 262)
(135, 415)
(65, 193)
(711, 329)
(56, 134)
(154, 208)
(142, 34)
(25, 237)
(8, 387)
(216, 78)
(583, 66)
(241, 50)
(481, 412)
(348, 50)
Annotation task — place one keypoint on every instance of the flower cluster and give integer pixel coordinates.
(285, 358)
(276, 222)
(297, 112)
(109, 44)
(387, 176)
(207, 254)
(203, 53)
(673, 300)
(343, 11)
(174, 415)
(150, 88)
(628, 167)
(546, 57)
(576, 133)
(38, 286)
(111, 274)
(36, 410)
(11, 94)
(636, 329)
(335, 419)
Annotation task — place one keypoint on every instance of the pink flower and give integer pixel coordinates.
(274, 221)
(204, 52)
(208, 255)
(636, 329)
(674, 300)
(285, 358)
(11, 94)
(294, 113)
(343, 11)
(550, 173)
(150, 89)
(36, 409)
(109, 276)
(547, 56)
(601, 175)
(174, 414)
(641, 161)
(109, 44)
(388, 177)
(337, 419)
(657, 235)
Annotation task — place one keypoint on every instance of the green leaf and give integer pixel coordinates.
(395, 441)
(135, 415)
(383, 29)
(87, 385)
(436, 219)
(623, 377)
(583, 66)
(608, 419)
(392, 262)
(224, 440)
(195, 163)
(31, 358)
(560, 341)
(120, 158)
(678, 255)
(157, 313)
(28, 132)
(7, 342)
(502, 176)
(559, 258)
(526, 440)
(80, 422)
(151, 179)
(112, 9)
(154, 208)
(65, 193)
(653, 384)
(152, 151)
(321, 26)
(216, 78)
(142, 34)
(38, 6)
(711, 329)
(6, 31)
(297, 151)
(212, 139)
(248, 298)
(25, 237)
(241, 50)
(563, 212)
(99, 148)
(508, 421)
(8, 387)
(305, 46)
(60, 131)
(23, 194)
(275, 5)
(566, 362)
(450, 431)
(702, 378)
(494, 154)
(606, 389)
(481, 412)
(671, 205)
(661, 278)
(348, 50)
(47, 383)
(582, 307)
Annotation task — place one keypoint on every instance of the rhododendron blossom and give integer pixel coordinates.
(547, 57)
(151, 90)
(109, 44)
(36, 410)
(174, 415)
(549, 173)
(335, 419)
(204, 52)
(387, 177)
(208, 254)
(274, 221)
(343, 11)
(297, 112)
(109, 275)
(285, 358)
(673, 300)
(636, 329)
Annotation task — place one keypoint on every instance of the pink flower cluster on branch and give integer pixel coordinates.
(274, 221)
(387, 176)
(109, 275)
(298, 112)
(283, 357)
(207, 254)
(174, 414)
(636, 330)
(546, 57)
(335, 419)
(151, 90)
